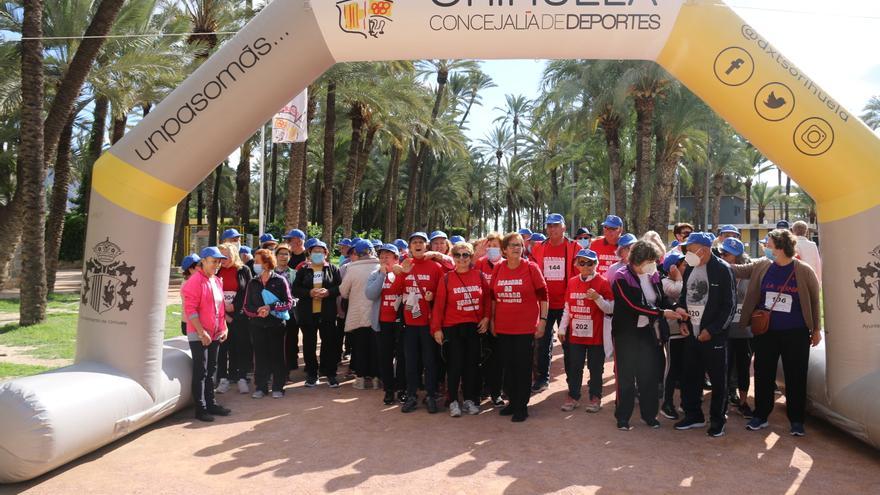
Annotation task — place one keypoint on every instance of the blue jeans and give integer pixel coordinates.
(544, 347)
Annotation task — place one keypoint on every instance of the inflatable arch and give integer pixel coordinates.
(126, 377)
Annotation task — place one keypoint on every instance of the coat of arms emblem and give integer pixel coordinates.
(106, 281)
(869, 284)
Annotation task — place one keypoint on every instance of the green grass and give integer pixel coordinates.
(56, 301)
(8, 370)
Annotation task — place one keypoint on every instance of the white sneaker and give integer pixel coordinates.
(360, 383)
(376, 384)
(258, 394)
(277, 394)
(454, 409)
(223, 386)
(471, 408)
(243, 387)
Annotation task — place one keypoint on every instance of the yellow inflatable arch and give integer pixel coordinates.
(125, 376)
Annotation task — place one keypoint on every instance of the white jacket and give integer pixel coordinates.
(354, 282)
(808, 252)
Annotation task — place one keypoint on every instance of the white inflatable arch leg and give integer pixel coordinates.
(125, 377)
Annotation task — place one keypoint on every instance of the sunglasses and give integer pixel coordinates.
(586, 263)
(461, 255)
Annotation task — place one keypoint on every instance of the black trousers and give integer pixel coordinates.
(793, 346)
(268, 339)
(225, 356)
(575, 355)
(544, 345)
(516, 354)
(463, 361)
(635, 351)
(364, 352)
(204, 365)
(701, 359)
(739, 363)
(420, 344)
(392, 365)
(291, 343)
(329, 346)
(490, 365)
(241, 353)
(674, 369)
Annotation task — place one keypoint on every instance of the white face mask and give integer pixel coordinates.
(258, 269)
(649, 269)
(494, 254)
(583, 243)
(692, 259)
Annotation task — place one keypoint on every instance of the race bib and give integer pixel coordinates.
(554, 268)
(228, 296)
(318, 278)
(696, 314)
(783, 302)
(737, 315)
(582, 328)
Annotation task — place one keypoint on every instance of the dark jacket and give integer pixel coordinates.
(254, 299)
(244, 276)
(630, 303)
(721, 305)
(303, 284)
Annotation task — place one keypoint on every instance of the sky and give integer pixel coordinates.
(834, 41)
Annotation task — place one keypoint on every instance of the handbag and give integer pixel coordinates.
(760, 319)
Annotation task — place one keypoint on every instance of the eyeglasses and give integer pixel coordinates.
(586, 263)
(461, 255)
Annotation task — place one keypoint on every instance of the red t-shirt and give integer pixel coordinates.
(516, 296)
(487, 267)
(423, 278)
(556, 272)
(387, 310)
(460, 298)
(229, 276)
(586, 320)
(607, 254)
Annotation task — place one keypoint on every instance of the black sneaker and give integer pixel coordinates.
(506, 411)
(653, 423)
(401, 397)
(519, 416)
(689, 423)
(497, 401)
(389, 398)
(204, 415)
(745, 411)
(410, 406)
(333, 382)
(624, 426)
(716, 430)
(539, 387)
(218, 410)
(797, 430)
(432, 405)
(668, 411)
(733, 398)
(757, 423)
(311, 381)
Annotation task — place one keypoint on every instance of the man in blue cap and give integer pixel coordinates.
(728, 231)
(708, 301)
(583, 237)
(555, 258)
(344, 246)
(268, 241)
(739, 350)
(296, 239)
(230, 235)
(527, 244)
(606, 246)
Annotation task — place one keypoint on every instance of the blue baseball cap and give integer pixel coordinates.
(437, 234)
(229, 234)
(345, 242)
(375, 242)
(782, 224)
(211, 252)
(295, 234)
(244, 250)
(538, 237)
(317, 243)
(418, 234)
(456, 239)
(674, 244)
(309, 243)
(554, 218)
(672, 258)
(267, 237)
(733, 246)
(626, 240)
(391, 248)
(583, 231)
(613, 221)
(401, 245)
(728, 229)
(362, 247)
(701, 238)
(588, 254)
(525, 232)
(189, 261)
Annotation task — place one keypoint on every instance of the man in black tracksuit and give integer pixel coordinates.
(708, 300)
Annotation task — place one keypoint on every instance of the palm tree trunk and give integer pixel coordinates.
(641, 189)
(717, 191)
(95, 147)
(294, 185)
(118, 128)
(33, 293)
(10, 226)
(611, 129)
(498, 156)
(393, 192)
(58, 204)
(412, 190)
(787, 194)
(356, 114)
(214, 206)
(749, 200)
(181, 222)
(329, 162)
(243, 185)
(304, 192)
(274, 183)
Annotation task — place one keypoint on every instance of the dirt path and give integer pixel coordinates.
(20, 355)
(344, 440)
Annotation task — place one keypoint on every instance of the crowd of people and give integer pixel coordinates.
(471, 324)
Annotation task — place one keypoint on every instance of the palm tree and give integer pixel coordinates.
(759, 166)
(871, 114)
(516, 110)
(496, 144)
(763, 196)
(477, 82)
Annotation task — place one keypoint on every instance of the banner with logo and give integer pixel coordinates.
(289, 125)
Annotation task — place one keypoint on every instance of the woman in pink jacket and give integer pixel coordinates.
(205, 313)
